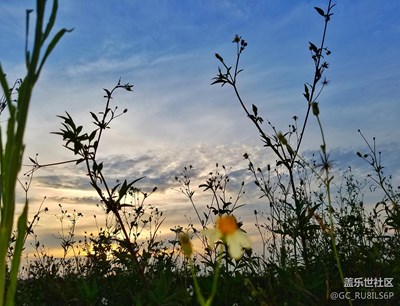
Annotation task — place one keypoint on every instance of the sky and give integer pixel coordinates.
(176, 118)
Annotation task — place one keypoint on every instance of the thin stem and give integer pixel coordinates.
(197, 288)
(317, 77)
(36, 166)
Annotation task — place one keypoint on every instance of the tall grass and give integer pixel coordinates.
(12, 148)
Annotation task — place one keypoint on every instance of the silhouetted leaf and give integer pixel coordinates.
(320, 11)
(313, 47)
(51, 46)
(306, 92)
(94, 117)
(126, 205)
(315, 108)
(92, 135)
(255, 110)
(79, 129)
(108, 93)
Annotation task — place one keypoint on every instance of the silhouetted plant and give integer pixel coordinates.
(85, 145)
(277, 141)
(12, 151)
(292, 219)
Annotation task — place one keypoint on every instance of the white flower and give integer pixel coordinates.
(227, 230)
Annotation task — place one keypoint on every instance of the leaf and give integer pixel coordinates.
(255, 110)
(92, 135)
(16, 259)
(52, 19)
(315, 108)
(204, 186)
(126, 205)
(282, 139)
(313, 47)
(320, 11)
(79, 129)
(123, 189)
(94, 117)
(306, 92)
(69, 121)
(108, 94)
(51, 46)
(218, 81)
(115, 188)
(77, 147)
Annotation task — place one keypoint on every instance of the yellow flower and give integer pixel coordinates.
(227, 230)
(186, 245)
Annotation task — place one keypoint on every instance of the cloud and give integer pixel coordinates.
(60, 181)
(159, 168)
(85, 200)
(176, 119)
(70, 184)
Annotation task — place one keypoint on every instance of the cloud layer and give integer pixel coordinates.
(175, 118)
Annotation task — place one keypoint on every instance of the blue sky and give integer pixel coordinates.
(175, 118)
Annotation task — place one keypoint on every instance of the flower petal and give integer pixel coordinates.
(236, 242)
(235, 250)
(244, 239)
(212, 234)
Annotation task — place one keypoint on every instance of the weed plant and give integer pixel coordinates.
(318, 237)
(11, 150)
